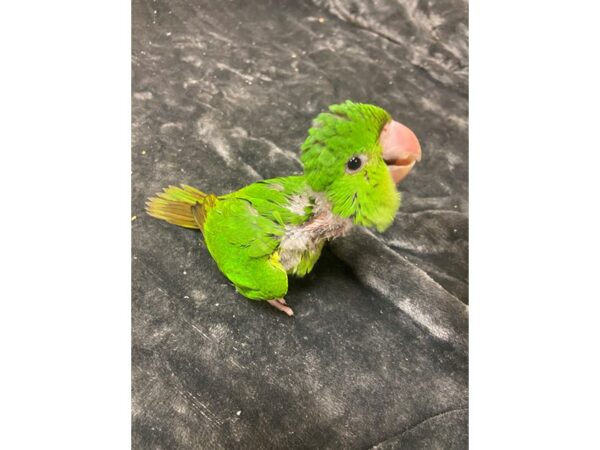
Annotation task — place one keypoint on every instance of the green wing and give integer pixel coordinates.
(272, 198)
(243, 230)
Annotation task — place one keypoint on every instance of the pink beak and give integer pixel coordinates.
(401, 149)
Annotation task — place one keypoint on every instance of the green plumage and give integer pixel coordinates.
(269, 229)
(349, 129)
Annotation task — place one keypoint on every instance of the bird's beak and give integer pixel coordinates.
(401, 149)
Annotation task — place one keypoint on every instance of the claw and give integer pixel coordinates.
(280, 304)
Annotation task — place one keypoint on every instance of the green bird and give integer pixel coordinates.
(353, 157)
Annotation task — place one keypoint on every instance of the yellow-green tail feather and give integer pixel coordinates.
(182, 206)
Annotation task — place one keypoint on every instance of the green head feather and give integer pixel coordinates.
(350, 130)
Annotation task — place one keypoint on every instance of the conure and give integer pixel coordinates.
(353, 157)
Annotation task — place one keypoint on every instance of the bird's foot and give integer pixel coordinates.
(281, 305)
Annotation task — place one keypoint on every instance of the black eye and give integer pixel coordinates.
(354, 163)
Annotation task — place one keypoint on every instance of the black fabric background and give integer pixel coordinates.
(377, 355)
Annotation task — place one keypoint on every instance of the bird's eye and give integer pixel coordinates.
(354, 164)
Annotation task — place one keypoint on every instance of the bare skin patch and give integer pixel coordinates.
(308, 237)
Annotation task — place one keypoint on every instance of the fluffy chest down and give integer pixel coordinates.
(301, 245)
